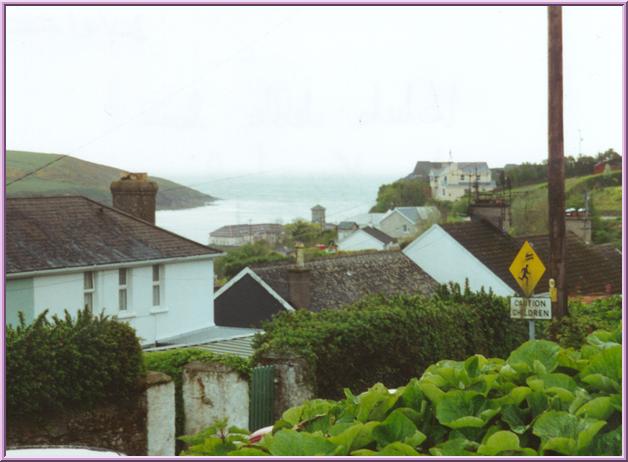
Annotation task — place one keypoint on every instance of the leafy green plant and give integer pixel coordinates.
(583, 319)
(541, 400)
(397, 336)
(70, 362)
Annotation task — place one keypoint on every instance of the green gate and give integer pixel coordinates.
(262, 397)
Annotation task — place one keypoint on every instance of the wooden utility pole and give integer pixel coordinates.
(556, 158)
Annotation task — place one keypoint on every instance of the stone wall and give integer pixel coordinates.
(213, 391)
(293, 381)
(139, 427)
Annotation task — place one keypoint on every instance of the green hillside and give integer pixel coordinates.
(530, 206)
(72, 176)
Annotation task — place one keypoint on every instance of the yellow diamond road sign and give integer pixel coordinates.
(527, 268)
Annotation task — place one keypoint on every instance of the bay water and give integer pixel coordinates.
(263, 198)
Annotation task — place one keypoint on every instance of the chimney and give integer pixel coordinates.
(134, 194)
(579, 223)
(299, 281)
(496, 211)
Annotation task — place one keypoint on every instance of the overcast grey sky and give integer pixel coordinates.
(188, 91)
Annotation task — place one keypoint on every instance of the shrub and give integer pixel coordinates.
(583, 319)
(70, 363)
(171, 362)
(542, 400)
(391, 339)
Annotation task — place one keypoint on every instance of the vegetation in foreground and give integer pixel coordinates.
(542, 400)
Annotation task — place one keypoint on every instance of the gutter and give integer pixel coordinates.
(131, 264)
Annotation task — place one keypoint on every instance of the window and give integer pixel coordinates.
(88, 289)
(156, 285)
(461, 177)
(123, 275)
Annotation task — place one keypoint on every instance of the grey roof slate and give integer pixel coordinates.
(344, 279)
(45, 233)
(378, 234)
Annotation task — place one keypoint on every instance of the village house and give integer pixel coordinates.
(346, 228)
(480, 253)
(366, 239)
(69, 252)
(403, 222)
(260, 291)
(450, 181)
(237, 235)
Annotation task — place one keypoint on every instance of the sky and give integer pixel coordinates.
(193, 91)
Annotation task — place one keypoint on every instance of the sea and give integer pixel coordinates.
(262, 198)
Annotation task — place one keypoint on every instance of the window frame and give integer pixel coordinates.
(156, 284)
(123, 288)
(89, 292)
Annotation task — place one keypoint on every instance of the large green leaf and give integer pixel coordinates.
(357, 436)
(459, 409)
(598, 408)
(396, 427)
(565, 433)
(543, 352)
(293, 443)
(375, 403)
(606, 363)
(455, 447)
(398, 449)
(606, 444)
(503, 442)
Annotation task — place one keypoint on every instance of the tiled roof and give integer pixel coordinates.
(489, 245)
(589, 268)
(247, 230)
(344, 279)
(347, 225)
(379, 235)
(45, 233)
(418, 213)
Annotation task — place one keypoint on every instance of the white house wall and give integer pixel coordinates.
(397, 226)
(360, 240)
(186, 297)
(445, 259)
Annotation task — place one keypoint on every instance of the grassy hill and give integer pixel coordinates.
(72, 176)
(530, 206)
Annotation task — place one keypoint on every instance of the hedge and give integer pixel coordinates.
(70, 363)
(583, 319)
(171, 362)
(391, 339)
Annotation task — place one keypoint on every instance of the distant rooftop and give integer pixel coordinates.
(247, 230)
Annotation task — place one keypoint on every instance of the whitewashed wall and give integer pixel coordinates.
(445, 259)
(186, 297)
(360, 240)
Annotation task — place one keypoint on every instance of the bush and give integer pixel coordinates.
(171, 362)
(391, 339)
(542, 400)
(583, 319)
(70, 363)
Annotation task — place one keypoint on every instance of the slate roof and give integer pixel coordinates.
(344, 279)
(589, 268)
(488, 244)
(347, 225)
(247, 230)
(45, 233)
(379, 235)
(415, 214)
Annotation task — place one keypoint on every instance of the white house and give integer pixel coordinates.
(65, 253)
(402, 222)
(452, 180)
(473, 251)
(366, 239)
(237, 235)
